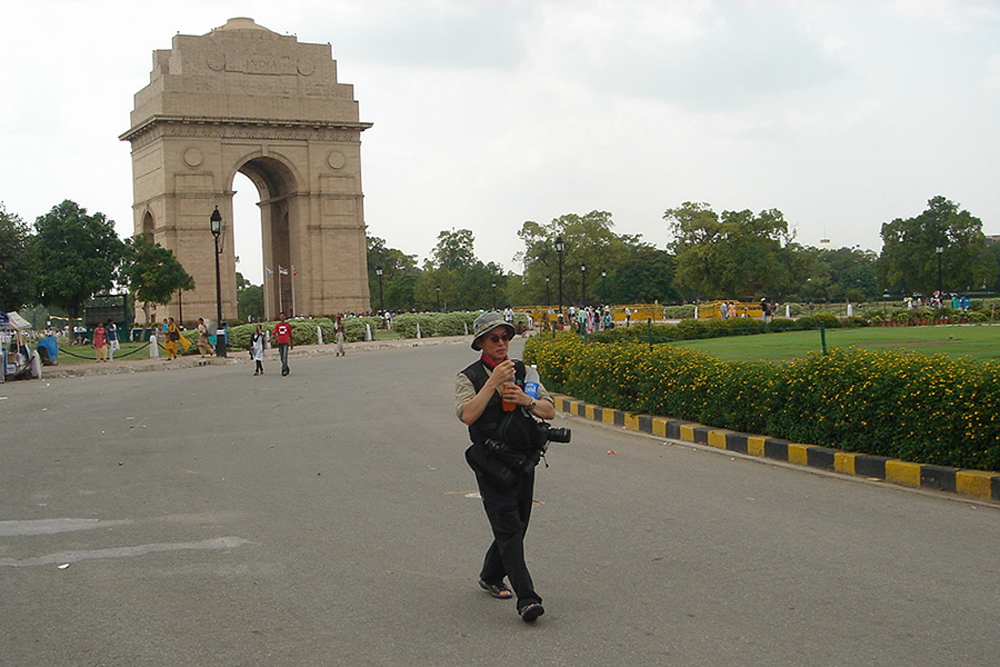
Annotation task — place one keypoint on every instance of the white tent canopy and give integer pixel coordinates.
(13, 320)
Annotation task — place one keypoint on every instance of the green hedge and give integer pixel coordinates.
(926, 409)
(683, 312)
(441, 324)
(433, 324)
(737, 326)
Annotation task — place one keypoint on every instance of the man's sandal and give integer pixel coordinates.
(499, 591)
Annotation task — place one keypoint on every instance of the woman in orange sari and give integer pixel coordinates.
(173, 335)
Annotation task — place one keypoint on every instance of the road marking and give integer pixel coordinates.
(52, 526)
(124, 552)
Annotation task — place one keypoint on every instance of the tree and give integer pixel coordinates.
(589, 241)
(645, 277)
(737, 254)
(453, 278)
(249, 299)
(18, 262)
(454, 250)
(152, 273)
(909, 260)
(992, 255)
(844, 274)
(399, 276)
(78, 256)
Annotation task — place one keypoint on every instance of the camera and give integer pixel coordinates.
(549, 434)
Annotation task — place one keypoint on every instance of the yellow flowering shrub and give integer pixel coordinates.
(928, 409)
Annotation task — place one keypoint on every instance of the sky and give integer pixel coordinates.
(842, 114)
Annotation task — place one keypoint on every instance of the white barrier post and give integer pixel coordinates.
(418, 330)
(154, 349)
(319, 336)
(788, 311)
(368, 332)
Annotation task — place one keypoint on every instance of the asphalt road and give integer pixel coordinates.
(206, 517)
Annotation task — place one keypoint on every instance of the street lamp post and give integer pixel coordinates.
(583, 285)
(940, 251)
(438, 289)
(604, 286)
(548, 299)
(381, 299)
(215, 223)
(560, 247)
(494, 284)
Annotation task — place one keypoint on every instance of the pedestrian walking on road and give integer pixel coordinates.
(100, 342)
(173, 337)
(111, 331)
(339, 337)
(283, 335)
(204, 344)
(490, 399)
(257, 349)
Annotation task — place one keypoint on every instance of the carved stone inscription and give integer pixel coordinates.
(260, 63)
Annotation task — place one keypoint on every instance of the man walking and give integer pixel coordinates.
(283, 334)
(489, 395)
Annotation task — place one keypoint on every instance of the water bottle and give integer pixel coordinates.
(531, 381)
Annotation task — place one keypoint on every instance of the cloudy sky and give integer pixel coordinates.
(843, 114)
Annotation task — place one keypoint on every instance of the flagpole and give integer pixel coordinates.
(267, 317)
(281, 308)
(291, 270)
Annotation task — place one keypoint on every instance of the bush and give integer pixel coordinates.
(454, 324)
(406, 324)
(684, 312)
(356, 328)
(935, 409)
(781, 324)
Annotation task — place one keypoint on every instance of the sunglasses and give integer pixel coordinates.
(505, 337)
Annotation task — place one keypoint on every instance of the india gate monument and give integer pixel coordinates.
(245, 99)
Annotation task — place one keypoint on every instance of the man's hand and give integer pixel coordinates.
(513, 393)
(504, 372)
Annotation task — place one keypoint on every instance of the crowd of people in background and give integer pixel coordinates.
(589, 319)
(730, 309)
(938, 300)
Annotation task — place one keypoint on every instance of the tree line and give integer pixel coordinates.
(727, 255)
(70, 255)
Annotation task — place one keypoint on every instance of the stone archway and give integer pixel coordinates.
(245, 99)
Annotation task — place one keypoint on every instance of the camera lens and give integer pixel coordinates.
(559, 434)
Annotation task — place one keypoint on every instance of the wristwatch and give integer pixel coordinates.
(531, 406)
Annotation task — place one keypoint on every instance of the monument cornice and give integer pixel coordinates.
(239, 127)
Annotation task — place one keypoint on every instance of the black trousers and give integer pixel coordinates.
(509, 511)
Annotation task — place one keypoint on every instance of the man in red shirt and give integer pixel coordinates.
(283, 334)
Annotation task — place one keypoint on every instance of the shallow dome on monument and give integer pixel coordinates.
(241, 23)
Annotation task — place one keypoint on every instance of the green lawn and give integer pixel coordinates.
(978, 342)
(67, 352)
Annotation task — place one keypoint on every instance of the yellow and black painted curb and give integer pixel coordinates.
(978, 484)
